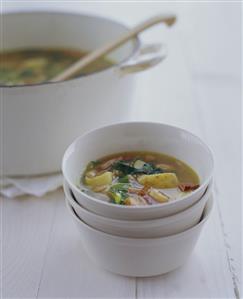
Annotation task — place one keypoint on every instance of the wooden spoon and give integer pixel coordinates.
(107, 48)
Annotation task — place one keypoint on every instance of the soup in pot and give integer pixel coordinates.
(33, 66)
(138, 178)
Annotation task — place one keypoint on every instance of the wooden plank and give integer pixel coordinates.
(210, 269)
(205, 275)
(216, 77)
(26, 224)
(1, 247)
(222, 127)
(68, 272)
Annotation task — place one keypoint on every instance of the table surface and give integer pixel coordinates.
(198, 88)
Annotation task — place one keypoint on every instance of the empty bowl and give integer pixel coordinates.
(142, 228)
(137, 136)
(139, 257)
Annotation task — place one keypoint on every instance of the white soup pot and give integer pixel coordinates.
(39, 121)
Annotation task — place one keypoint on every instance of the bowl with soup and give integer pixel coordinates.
(40, 118)
(140, 257)
(137, 170)
(154, 228)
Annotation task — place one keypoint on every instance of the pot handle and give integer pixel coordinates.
(148, 56)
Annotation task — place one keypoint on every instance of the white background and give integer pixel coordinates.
(198, 88)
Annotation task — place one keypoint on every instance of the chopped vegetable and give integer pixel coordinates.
(139, 164)
(187, 187)
(124, 179)
(138, 178)
(117, 197)
(125, 168)
(160, 180)
(118, 192)
(99, 180)
(149, 168)
(120, 187)
(134, 190)
(144, 190)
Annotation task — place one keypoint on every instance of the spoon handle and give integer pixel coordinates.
(103, 50)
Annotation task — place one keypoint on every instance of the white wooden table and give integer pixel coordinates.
(198, 88)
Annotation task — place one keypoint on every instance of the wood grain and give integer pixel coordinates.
(67, 270)
(27, 223)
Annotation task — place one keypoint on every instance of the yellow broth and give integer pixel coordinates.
(32, 66)
(139, 178)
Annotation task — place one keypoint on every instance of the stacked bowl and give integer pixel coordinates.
(144, 240)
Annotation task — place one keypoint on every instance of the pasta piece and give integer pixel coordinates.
(99, 180)
(158, 196)
(132, 201)
(160, 180)
(91, 173)
(102, 188)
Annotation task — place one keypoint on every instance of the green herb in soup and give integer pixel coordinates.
(32, 66)
(138, 178)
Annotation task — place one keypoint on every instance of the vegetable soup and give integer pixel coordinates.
(138, 178)
(32, 66)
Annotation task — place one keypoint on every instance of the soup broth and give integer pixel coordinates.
(138, 178)
(32, 66)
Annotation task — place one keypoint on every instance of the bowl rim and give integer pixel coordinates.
(135, 49)
(117, 124)
(140, 241)
(148, 222)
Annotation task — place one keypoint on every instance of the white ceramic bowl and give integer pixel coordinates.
(142, 228)
(131, 136)
(139, 257)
